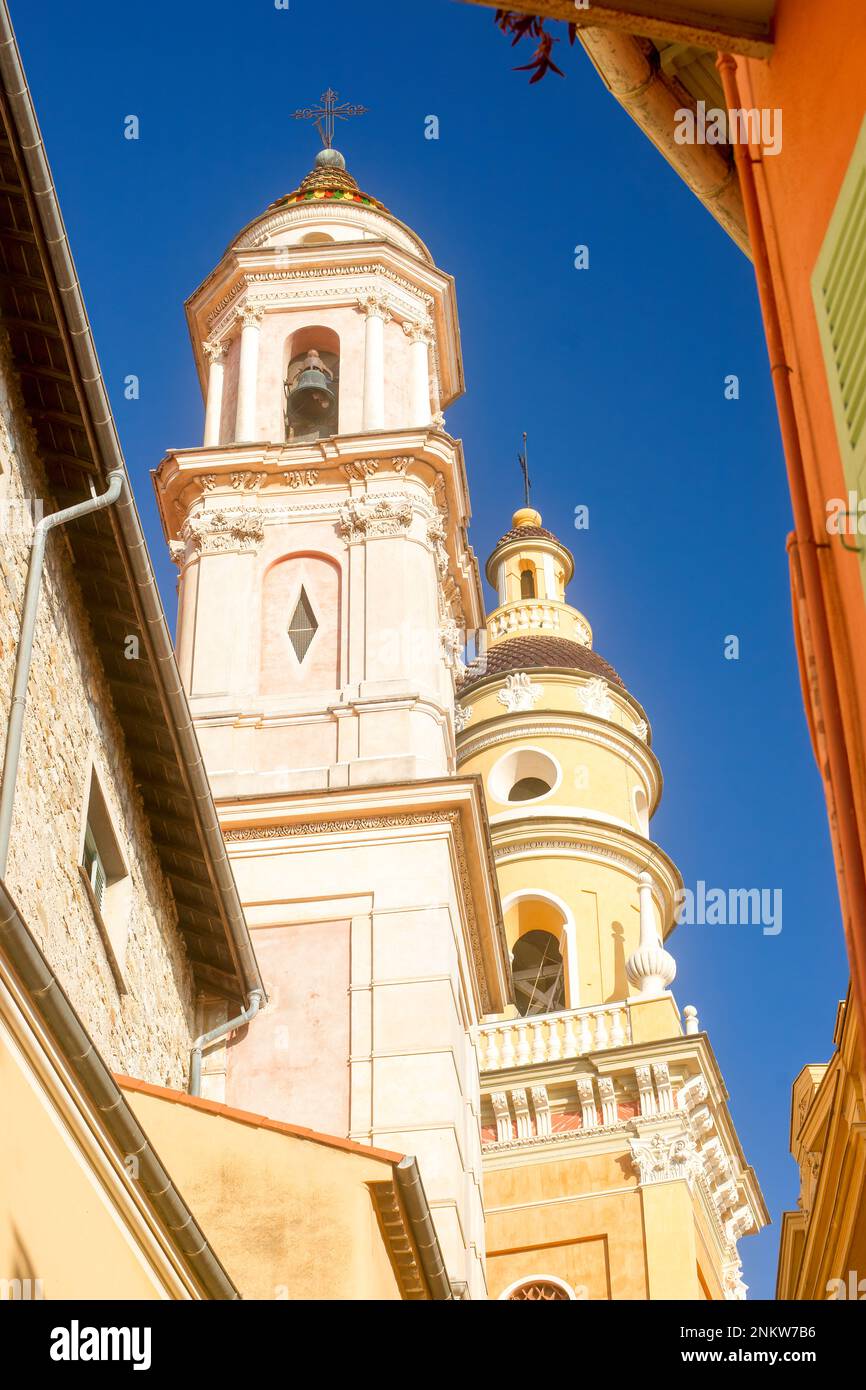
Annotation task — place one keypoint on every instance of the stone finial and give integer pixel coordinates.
(651, 969)
(690, 1014)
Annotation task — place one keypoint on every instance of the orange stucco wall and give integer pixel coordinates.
(816, 77)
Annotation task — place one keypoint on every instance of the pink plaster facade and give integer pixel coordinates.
(307, 967)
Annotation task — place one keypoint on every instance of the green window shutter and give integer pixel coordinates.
(839, 294)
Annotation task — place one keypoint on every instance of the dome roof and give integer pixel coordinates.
(329, 181)
(518, 533)
(533, 653)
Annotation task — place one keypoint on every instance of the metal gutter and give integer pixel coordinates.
(61, 1020)
(111, 458)
(414, 1200)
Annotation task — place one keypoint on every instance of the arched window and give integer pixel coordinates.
(311, 384)
(538, 972)
(316, 239)
(527, 584)
(300, 625)
(539, 1288)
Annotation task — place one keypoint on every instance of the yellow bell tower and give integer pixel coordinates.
(611, 1166)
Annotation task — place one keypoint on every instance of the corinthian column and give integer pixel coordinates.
(250, 319)
(215, 353)
(377, 313)
(420, 336)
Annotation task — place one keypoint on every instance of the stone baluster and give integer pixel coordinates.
(586, 1038)
(617, 1032)
(522, 1044)
(554, 1051)
(508, 1047)
(539, 1049)
(569, 1042)
(601, 1036)
(491, 1058)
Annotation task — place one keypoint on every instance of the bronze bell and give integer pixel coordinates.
(310, 397)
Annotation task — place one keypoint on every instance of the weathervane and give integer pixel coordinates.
(524, 468)
(329, 111)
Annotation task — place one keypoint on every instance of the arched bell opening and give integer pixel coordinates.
(527, 582)
(311, 384)
(541, 935)
(538, 974)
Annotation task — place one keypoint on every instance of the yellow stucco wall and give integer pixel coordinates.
(62, 1221)
(536, 1225)
(288, 1217)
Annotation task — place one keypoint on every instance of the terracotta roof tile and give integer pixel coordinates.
(532, 653)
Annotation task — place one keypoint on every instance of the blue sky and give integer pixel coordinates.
(617, 373)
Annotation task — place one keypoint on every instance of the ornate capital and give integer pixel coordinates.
(225, 529)
(665, 1157)
(370, 518)
(215, 349)
(250, 314)
(418, 332)
(375, 306)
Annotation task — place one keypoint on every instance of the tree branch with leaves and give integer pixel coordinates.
(525, 26)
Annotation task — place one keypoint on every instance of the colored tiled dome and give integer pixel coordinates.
(532, 653)
(519, 533)
(329, 182)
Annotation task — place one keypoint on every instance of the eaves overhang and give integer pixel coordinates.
(62, 391)
(736, 26)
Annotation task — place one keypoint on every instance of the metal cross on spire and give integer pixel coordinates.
(326, 113)
(524, 468)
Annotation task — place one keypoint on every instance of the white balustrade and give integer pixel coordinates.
(521, 1042)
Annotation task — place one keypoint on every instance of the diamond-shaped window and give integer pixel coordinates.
(302, 626)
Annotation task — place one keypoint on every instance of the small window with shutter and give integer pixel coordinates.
(106, 878)
(839, 295)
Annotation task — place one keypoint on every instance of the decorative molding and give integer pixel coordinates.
(406, 296)
(586, 1096)
(593, 698)
(541, 1106)
(249, 481)
(604, 738)
(519, 693)
(462, 716)
(641, 730)
(301, 477)
(609, 1112)
(451, 638)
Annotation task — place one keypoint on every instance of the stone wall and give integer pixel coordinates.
(71, 724)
